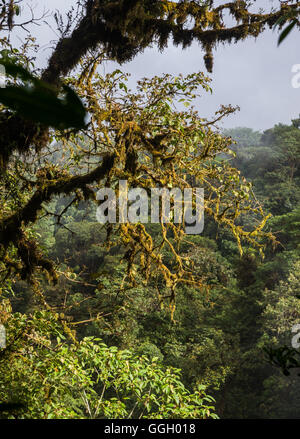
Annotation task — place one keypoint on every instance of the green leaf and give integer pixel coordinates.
(14, 70)
(38, 101)
(286, 31)
(123, 86)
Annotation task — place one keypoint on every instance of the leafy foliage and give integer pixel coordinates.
(55, 378)
(37, 101)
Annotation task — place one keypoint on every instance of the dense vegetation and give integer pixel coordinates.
(142, 320)
(218, 334)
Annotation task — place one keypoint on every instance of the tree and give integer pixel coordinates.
(120, 30)
(142, 137)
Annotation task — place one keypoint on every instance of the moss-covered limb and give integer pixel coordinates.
(28, 214)
(18, 134)
(89, 33)
(124, 28)
(11, 228)
(31, 257)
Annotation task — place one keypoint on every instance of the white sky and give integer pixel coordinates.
(256, 75)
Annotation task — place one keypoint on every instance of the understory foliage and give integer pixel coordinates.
(52, 378)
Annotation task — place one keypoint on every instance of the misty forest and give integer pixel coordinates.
(132, 320)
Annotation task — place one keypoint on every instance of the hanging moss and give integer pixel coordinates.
(125, 28)
(209, 60)
(17, 134)
(11, 228)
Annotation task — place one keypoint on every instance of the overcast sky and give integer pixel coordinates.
(254, 74)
